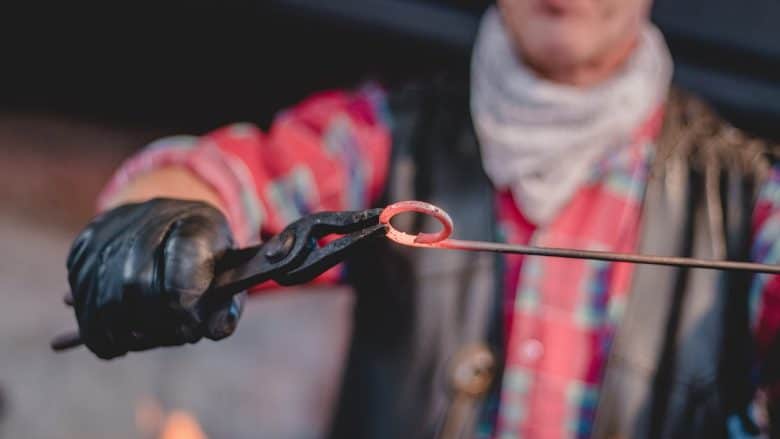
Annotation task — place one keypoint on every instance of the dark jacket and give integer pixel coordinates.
(427, 342)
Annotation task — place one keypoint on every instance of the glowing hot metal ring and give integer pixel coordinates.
(422, 239)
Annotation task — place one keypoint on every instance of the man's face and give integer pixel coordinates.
(561, 34)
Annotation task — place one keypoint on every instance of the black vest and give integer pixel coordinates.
(680, 358)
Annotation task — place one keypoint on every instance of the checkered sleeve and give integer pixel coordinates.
(329, 152)
(765, 290)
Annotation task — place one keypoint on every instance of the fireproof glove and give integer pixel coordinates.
(139, 273)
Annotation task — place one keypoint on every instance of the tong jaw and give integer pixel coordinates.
(357, 226)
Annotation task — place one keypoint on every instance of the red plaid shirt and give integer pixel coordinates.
(331, 152)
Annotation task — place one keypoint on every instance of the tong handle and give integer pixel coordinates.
(226, 264)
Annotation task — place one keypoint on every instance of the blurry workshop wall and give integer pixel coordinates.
(196, 64)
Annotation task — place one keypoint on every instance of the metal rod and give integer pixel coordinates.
(441, 240)
(673, 261)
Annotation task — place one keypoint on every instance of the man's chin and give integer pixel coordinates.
(555, 59)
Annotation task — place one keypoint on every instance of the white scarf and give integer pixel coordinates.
(540, 139)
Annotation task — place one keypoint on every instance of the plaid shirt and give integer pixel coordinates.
(331, 152)
(561, 313)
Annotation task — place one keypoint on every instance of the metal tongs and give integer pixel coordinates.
(295, 256)
(292, 257)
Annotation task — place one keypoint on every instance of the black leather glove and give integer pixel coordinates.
(139, 274)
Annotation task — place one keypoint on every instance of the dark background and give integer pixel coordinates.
(193, 65)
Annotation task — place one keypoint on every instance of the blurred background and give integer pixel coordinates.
(82, 86)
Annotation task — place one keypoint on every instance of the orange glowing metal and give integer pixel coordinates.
(422, 239)
(441, 240)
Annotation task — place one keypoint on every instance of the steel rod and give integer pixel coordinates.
(673, 261)
(442, 240)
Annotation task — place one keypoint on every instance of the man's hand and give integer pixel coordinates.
(139, 272)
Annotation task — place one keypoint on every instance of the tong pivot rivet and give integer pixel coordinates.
(279, 246)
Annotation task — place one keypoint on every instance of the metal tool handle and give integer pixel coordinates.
(72, 339)
(66, 340)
